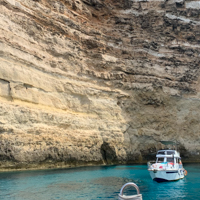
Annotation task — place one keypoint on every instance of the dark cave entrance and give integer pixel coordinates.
(108, 153)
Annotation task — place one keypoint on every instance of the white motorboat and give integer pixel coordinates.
(167, 167)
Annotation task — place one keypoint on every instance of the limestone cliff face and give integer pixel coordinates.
(97, 81)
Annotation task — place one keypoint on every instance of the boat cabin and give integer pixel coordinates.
(168, 156)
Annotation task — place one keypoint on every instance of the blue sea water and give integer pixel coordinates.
(91, 183)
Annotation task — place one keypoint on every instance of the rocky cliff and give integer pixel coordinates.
(86, 82)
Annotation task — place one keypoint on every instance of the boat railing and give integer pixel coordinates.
(149, 163)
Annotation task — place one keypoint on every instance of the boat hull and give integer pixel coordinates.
(166, 175)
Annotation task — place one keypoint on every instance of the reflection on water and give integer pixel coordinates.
(72, 186)
(110, 181)
(93, 183)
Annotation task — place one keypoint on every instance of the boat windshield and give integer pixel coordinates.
(170, 160)
(170, 152)
(161, 152)
(159, 160)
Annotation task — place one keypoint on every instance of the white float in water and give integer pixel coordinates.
(138, 196)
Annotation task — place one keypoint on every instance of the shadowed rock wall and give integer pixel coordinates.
(97, 81)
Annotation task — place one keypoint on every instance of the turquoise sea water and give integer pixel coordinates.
(91, 183)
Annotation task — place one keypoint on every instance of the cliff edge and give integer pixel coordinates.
(86, 82)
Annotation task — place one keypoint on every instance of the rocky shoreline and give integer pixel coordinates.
(97, 81)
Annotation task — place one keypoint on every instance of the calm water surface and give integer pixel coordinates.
(91, 183)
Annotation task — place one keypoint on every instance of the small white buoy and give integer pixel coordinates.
(138, 196)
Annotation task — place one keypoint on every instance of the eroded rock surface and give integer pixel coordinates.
(97, 81)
